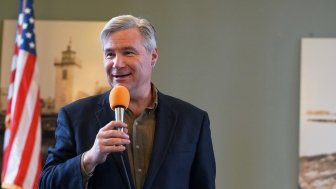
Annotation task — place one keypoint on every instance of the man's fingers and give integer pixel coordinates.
(115, 148)
(115, 142)
(114, 125)
(113, 134)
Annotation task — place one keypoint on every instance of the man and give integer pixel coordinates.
(166, 144)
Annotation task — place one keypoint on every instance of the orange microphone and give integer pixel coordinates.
(119, 100)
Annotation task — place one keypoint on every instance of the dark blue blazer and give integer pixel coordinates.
(182, 155)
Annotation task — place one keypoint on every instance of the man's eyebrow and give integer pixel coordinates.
(129, 48)
(108, 50)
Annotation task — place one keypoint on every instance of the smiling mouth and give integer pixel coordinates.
(119, 76)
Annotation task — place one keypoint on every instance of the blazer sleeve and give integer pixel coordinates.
(203, 171)
(62, 166)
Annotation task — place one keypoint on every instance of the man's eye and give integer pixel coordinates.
(129, 53)
(109, 55)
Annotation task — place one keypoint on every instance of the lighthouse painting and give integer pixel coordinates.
(70, 59)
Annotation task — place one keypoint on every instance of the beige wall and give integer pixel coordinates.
(239, 60)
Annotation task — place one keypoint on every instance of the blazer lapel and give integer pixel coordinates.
(104, 115)
(164, 133)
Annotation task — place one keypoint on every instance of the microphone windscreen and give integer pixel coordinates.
(119, 97)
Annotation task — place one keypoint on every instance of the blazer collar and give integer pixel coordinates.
(104, 113)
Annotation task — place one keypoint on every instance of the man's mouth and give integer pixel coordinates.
(121, 75)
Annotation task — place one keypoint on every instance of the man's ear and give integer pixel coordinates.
(155, 56)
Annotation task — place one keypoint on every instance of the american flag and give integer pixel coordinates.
(21, 166)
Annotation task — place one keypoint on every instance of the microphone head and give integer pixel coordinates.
(119, 97)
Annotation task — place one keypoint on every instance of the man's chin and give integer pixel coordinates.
(125, 84)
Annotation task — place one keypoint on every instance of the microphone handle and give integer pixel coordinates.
(119, 115)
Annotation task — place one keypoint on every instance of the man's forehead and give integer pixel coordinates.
(126, 34)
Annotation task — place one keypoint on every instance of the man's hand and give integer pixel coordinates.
(109, 139)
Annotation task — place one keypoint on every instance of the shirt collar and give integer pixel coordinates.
(154, 100)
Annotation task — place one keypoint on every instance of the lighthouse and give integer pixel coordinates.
(65, 77)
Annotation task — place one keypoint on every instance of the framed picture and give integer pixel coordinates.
(318, 114)
(70, 59)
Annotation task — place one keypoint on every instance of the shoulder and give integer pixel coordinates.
(89, 103)
(82, 111)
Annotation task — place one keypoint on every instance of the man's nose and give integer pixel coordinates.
(118, 61)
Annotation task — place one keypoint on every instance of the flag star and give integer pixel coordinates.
(21, 41)
(31, 45)
(27, 10)
(18, 38)
(20, 18)
(31, 20)
(24, 25)
(28, 35)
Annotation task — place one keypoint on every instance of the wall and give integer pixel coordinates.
(239, 60)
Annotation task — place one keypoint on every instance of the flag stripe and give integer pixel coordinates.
(12, 76)
(11, 80)
(27, 117)
(29, 145)
(23, 87)
(18, 108)
(37, 175)
(32, 179)
(24, 117)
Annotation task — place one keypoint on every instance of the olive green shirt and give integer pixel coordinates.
(141, 131)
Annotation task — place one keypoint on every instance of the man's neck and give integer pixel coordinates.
(140, 102)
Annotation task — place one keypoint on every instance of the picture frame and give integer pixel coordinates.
(317, 145)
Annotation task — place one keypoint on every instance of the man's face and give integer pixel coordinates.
(126, 60)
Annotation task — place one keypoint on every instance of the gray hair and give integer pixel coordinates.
(124, 22)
